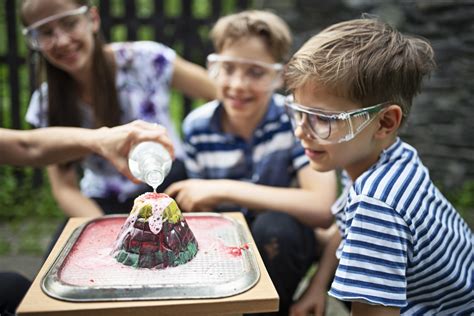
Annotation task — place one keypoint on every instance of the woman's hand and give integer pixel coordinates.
(115, 143)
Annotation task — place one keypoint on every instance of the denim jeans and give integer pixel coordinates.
(288, 248)
(13, 287)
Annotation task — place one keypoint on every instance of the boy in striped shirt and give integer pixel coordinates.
(242, 154)
(402, 247)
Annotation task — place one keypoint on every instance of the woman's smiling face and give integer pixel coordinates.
(72, 36)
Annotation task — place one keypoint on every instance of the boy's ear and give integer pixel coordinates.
(278, 82)
(389, 121)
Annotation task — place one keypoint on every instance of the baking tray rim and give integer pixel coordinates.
(55, 288)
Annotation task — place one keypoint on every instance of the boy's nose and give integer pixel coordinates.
(299, 133)
(237, 80)
(302, 132)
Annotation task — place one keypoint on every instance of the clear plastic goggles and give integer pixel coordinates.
(39, 36)
(331, 127)
(258, 75)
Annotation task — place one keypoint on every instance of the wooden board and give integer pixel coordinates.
(261, 298)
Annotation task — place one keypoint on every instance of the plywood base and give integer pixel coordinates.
(261, 298)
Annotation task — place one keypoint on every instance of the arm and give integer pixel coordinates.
(42, 146)
(361, 309)
(314, 298)
(192, 80)
(59, 144)
(310, 203)
(66, 192)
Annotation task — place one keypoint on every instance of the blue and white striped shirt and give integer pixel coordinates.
(271, 157)
(404, 245)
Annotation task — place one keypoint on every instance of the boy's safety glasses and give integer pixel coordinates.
(255, 74)
(330, 127)
(41, 36)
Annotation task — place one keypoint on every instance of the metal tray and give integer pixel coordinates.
(224, 265)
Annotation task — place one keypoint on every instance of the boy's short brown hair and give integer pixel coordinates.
(365, 60)
(263, 24)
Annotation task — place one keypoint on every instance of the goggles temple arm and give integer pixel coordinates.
(48, 19)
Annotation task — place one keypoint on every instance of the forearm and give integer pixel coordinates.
(44, 146)
(192, 80)
(362, 309)
(328, 263)
(75, 204)
(67, 194)
(300, 203)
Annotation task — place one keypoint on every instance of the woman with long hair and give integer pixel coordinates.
(88, 83)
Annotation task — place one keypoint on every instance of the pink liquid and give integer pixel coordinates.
(89, 263)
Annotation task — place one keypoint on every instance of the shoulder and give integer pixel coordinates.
(397, 167)
(200, 118)
(279, 100)
(277, 103)
(277, 112)
(37, 111)
(140, 46)
(126, 52)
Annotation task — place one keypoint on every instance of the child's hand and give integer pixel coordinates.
(196, 195)
(313, 302)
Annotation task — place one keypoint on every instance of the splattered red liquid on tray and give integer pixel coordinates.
(89, 263)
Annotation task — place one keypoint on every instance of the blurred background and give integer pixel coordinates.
(440, 126)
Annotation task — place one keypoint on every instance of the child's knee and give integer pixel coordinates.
(280, 234)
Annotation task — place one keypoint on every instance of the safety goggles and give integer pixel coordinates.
(331, 127)
(258, 75)
(39, 36)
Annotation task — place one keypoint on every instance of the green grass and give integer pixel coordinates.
(5, 247)
(20, 200)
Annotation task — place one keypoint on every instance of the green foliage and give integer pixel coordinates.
(29, 245)
(4, 247)
(463, 200)
(172, 8)
(20, 200)
(201, 8)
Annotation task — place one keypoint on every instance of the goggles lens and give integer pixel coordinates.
(330, 127)
(258, 75)
(41, 35)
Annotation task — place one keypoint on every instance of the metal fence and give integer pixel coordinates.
(181, 24)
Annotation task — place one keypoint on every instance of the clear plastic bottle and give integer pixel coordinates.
(149, 162)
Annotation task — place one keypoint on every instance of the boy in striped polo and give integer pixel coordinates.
(243, 155)
(404, 249)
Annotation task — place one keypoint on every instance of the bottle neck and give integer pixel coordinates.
(154, 178)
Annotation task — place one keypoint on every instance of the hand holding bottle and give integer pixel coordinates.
(150, 162)
(115, 143)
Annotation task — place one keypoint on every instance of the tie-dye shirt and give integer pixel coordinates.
(144, 73)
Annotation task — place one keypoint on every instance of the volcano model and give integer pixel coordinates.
(155, 235)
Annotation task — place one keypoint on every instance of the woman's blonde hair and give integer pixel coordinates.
(263, 24)
(365, 60)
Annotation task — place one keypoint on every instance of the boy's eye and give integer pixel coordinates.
(256, 72)
(320, 120)
(228, 68)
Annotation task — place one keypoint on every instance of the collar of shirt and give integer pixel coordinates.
(271, 114)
